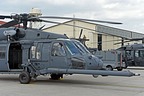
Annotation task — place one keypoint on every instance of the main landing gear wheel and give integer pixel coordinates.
(24, 77)
(119, 69)
(56, 76)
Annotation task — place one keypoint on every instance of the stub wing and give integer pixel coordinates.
(89, 72)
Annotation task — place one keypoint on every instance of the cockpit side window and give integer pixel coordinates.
(128, 54)
(58, 49)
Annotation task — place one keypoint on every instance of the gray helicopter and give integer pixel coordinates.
(133, 54)
(32, 52)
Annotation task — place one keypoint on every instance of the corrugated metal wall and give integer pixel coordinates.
(110, 35)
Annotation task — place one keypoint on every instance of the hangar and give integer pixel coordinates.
(99, 36)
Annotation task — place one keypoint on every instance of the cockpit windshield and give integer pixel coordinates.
(81, 47)
(72, 48)
(75, 47)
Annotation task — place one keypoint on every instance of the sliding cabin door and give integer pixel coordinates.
(15, 56)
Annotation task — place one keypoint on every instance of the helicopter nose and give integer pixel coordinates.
(97, 62)
(100, 62)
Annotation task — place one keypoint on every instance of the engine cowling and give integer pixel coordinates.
(19, 34)
(11, 34)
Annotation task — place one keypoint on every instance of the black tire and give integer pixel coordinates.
(55, 76)
(109, 68)
(119, 69)
(24, 77)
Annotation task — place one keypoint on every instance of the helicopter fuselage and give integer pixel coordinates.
(133, 55)
(34, 52)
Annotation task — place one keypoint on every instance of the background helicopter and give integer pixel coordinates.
(32, 52)
(133, 54)
(126, 55)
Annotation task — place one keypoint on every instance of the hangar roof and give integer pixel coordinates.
(103, 29)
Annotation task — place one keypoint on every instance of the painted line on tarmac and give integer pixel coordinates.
(117, 85)
(136, 68)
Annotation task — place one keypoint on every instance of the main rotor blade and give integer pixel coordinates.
(67, 24)
(130, 40)
(80, 33)
(108, 41)
(3, 17)
(9, 24)
(137, 39)
(123, 42)
(55, 17)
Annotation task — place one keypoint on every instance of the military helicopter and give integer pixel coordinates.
(133, 54)
(33, 52)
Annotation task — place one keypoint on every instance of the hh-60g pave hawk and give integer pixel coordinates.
(133, 54)
(32, 52)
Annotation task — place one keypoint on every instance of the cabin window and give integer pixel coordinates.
(136, 53)
(38, 51)
(58, 50)
(141, 53)
(2, 52)
(33, 51)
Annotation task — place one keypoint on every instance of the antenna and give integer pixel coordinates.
(36, 12)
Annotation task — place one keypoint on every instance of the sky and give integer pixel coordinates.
(128, 12)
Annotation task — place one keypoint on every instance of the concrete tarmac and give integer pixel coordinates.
(74, 85)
